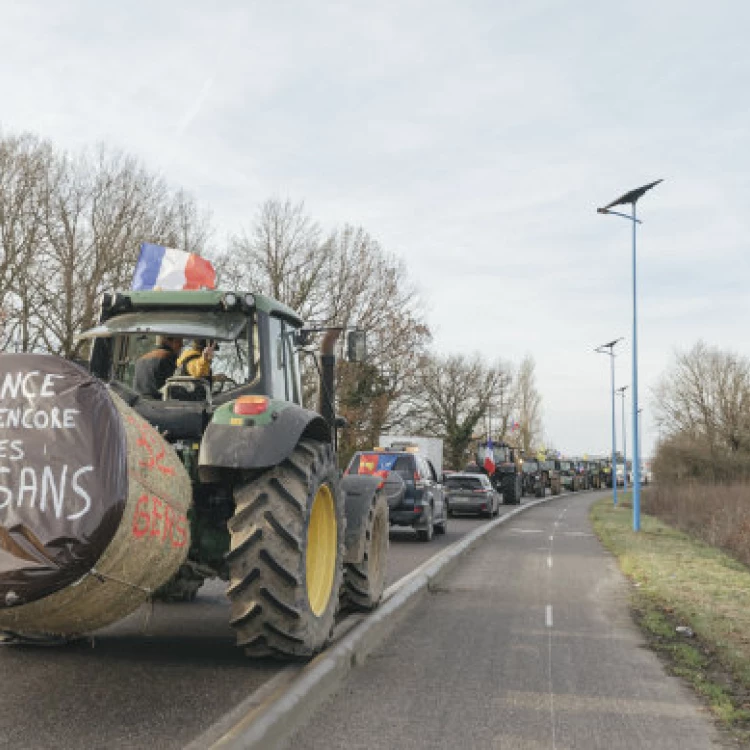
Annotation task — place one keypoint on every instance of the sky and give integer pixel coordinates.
(473, 139)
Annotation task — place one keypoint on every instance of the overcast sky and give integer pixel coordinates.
(474, 139)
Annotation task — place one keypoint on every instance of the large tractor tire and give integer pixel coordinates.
(286, 556)
(364, 582)
(511, 490)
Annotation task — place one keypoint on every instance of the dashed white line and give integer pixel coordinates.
(549, 561)
(548, 616)
(551, 538)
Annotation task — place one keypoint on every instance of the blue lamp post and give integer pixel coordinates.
(632, 198)
(609, 350)
(621, 391)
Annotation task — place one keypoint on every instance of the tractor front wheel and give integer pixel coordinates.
(286, 556)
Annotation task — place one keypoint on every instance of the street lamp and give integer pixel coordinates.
(621, 391)
(632, 198)
(608, 349)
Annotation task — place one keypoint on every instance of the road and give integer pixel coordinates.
(529, 644)
(159, 678)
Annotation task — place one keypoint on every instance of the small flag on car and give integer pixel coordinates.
(165, 268)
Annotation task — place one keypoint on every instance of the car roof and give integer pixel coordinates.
(387, 452)
(465, 475)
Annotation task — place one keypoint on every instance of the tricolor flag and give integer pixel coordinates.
(489, 459)
(169, 269)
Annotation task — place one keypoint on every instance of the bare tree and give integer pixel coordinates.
(23, 161)
(281, 255)
(702, 407)
(345, 280)
(92, 214)
(529, 406)
(457, 391)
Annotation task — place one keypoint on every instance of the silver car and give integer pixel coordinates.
(471, 493)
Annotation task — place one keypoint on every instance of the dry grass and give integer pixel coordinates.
(682, 581)
(718, 514)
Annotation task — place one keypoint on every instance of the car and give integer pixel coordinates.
(471, 493)
(423, 505)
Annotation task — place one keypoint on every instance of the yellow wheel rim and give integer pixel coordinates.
(322, 546)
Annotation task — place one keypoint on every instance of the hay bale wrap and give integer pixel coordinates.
(93, 501)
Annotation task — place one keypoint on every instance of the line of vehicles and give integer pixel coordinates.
(229, 478)
(431, 495)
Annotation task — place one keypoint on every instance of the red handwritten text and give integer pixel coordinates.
(155, 518)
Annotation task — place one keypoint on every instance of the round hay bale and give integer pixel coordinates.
(93, 501)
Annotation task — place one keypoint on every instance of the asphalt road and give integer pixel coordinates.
(528, 644)
(159, 678)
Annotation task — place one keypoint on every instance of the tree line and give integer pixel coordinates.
(702, 406)
(70, 227)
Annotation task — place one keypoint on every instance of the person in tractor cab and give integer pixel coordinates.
(197, 359)
(153, 369)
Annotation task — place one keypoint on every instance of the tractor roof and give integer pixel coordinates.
(202, 300)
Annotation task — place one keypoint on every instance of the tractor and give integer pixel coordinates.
(535, 478)
(552, 476)
(226, 476)
(569, 478)
(507, 477)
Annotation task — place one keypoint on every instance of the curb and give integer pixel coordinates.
(283, 704)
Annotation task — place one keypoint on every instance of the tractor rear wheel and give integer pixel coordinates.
(364, 582)
(286, 555)
(511, 495)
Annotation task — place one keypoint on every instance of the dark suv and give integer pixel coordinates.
(423, 503)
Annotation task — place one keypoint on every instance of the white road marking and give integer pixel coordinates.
(549, 562)
(548, 616)
(551, 538)
(576, 533)
(528, 531)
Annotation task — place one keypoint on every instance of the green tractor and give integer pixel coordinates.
(551, 474)
(266, 510)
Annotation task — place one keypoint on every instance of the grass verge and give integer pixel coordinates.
(681, 581)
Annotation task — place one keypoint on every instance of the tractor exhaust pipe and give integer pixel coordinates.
(327, 407)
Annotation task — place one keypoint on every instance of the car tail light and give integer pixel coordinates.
(250, 405)
(484, 506)
(416, 476)
(417, 508)
(480, 492)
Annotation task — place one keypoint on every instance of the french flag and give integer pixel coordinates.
(169, 269)
(489, 459)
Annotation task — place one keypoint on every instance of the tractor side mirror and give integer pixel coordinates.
(356, 346)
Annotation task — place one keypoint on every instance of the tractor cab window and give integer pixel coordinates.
(285, 372)
(231, 358)
(502, 454)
